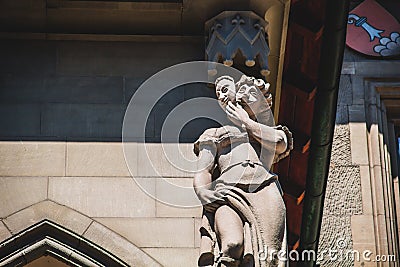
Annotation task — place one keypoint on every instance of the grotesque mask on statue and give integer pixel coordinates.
(251, 93)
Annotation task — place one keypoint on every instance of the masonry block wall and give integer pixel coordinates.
(61, 157)
(343, 193)
(360, 200)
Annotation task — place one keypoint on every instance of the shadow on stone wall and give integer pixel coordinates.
(79, 91)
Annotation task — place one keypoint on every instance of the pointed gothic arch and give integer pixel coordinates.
(47, 235)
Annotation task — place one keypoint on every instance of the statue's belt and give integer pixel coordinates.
(244, 163)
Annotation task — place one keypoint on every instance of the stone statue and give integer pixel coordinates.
(244, 216)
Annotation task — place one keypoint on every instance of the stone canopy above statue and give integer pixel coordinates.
(233, 32)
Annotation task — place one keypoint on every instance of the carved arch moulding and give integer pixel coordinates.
(68, 236)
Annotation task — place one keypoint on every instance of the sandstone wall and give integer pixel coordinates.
(360, 201)
(61, 158)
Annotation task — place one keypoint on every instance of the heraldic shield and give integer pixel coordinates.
(372, 30)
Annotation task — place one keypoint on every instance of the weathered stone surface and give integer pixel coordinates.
(385, 69)
(341, 152)
(137, 132)
(20, 120)
(179, 199)
(118, 246)
(195, 90)
(197, 225)
(380, 207)
(366, 190)
(46, 261)
(33, 57)
(131, 85)
(187, 120)
(357, 113)
(358, 88)
(342, 114)
(369, 259)
(4, 233)
(358, 143)
(154, 232)
(101, 58)
(348, 68)
(345, 90)
(49, 210)
(83, 89)
(173, 97)
(335, 236)
(343, 192)
(383, 232)
(343, 197)
(362, 227)
(19, 192)
(98, 159)
(165, 160)
(82, 120)
(348, 55)
(161, 113)
(32, 158)
(371, 99)
(21, 88)
(172, 257)
(103, 196)
(374, 149)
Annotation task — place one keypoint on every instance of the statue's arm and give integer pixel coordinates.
(269, 137)
(202, 182)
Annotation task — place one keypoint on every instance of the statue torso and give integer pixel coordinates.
(238, 156)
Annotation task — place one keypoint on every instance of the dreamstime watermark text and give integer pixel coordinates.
(338, 253)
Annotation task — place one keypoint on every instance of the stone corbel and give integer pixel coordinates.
(234, 31)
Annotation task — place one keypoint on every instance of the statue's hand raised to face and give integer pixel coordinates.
(237, 114)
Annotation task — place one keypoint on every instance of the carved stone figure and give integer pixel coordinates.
(244, 216)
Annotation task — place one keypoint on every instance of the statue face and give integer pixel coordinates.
(225, 91)
(251, 98)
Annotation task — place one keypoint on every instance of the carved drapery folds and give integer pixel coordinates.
(234, 31)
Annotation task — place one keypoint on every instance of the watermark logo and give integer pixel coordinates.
(340, 252)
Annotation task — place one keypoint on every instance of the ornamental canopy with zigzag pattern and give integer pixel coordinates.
(233, 31)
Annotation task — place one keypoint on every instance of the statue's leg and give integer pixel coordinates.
(271, 222)
(229, 230)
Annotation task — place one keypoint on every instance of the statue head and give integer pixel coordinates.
(225, 90)
(253, 95)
